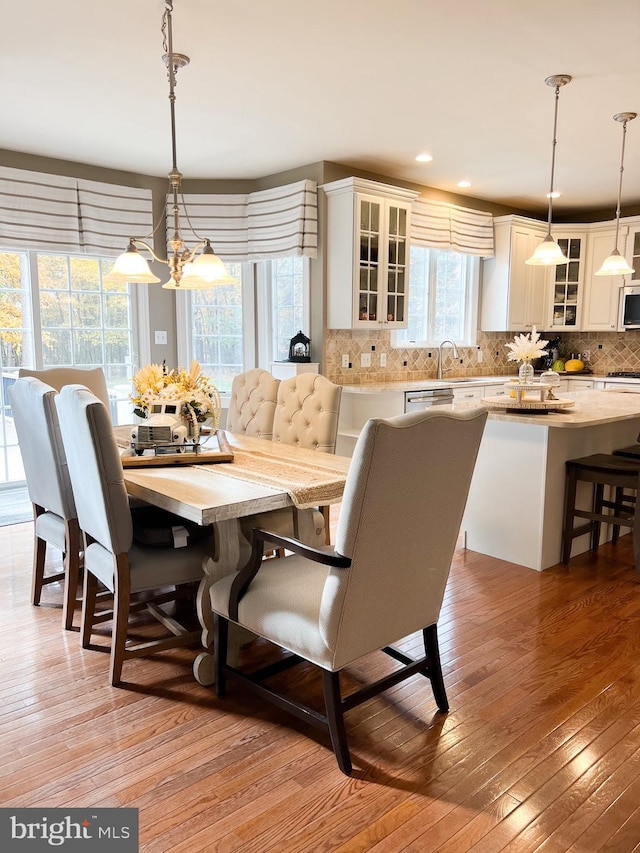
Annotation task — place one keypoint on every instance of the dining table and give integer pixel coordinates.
(261, 476)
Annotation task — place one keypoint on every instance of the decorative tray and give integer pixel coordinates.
(527, 405)
(220, 452)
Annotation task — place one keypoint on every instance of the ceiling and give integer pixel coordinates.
(277, 84)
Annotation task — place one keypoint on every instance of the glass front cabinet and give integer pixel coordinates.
(368, 229)
(567, 282)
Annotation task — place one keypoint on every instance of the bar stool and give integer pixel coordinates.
(601, 469)
(632, 452)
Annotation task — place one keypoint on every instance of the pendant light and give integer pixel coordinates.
(549, 253)
(615, 264)
(189, 270)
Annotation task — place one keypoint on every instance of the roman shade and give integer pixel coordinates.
(70, 215)
(277, 223)
(437, 225)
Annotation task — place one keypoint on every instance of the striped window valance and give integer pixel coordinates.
(438, 225)
(276, 223)
(61, 214)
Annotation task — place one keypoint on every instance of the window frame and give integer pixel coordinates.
(471, 298)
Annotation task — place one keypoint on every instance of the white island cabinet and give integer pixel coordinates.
(515, 507)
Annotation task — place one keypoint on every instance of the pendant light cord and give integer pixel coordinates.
(553, 158)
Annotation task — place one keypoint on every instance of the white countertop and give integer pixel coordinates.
(471, 381)
(591, 409)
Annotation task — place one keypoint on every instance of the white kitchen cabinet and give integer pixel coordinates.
(462, 393)
(565, 281)
(576, 385)
(368, 227)
(632, 253)
(601, 293)
(514, 294)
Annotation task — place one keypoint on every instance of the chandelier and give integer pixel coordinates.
(190, 269)
(548, 253)
(615, 264)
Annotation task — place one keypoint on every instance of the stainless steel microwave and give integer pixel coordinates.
(630, 307)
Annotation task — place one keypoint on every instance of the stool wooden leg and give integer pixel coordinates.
(617, 511)
(598, 497)
(569, 506)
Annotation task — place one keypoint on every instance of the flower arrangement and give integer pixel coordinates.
(527, 347)
(199, 395)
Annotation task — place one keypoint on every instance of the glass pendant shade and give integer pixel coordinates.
(131, 266)
(209, 266)
(547, 254)
(615, 264)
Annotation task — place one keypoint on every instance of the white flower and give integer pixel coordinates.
(527, 347)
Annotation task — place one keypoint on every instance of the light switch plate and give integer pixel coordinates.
(383, 359)
(345, 359)
(365, 359)
(160, 338)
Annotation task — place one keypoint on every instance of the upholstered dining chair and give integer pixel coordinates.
(92, 378)
(252, 404)
(306, 415)
(45, 467)
(400, 516)
(111, 557)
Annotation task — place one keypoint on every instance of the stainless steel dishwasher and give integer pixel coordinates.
(414, 400)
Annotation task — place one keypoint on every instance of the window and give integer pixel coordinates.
(217, 329)
(443, 299)
(232, 328)
(56, 310)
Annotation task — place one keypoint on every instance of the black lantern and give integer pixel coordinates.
(300, 348)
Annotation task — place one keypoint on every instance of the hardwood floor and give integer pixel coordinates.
(540, 750)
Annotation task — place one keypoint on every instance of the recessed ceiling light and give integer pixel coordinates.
(463, 184)
(554, 194)
(424, 158)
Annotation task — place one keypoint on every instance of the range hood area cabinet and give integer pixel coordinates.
(514, 295)
(367, 238)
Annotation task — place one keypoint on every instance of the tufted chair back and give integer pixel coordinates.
(92, 378)
(253, 403)
(307, 412)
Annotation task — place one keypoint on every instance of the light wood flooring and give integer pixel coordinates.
(540, 750)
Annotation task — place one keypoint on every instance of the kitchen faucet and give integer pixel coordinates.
(455, 355)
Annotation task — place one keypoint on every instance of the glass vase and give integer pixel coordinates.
(525, 373)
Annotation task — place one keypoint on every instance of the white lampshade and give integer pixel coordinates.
(615, 264)
(131, 266)
(209, 266)
(547, 254)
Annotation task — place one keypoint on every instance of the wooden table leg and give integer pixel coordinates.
(224, 562)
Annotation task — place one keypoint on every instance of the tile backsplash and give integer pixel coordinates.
(608, 351)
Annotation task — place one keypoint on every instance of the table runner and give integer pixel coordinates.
(307, 485)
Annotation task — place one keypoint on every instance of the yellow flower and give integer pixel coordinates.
(199, 396)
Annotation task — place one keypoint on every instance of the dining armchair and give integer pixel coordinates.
(306, 415)
(131, 572)
(55, 520)
(252, 404)
(385, 579)
(92, 378)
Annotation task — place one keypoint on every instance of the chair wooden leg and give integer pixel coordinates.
(121, 604)
(72, 573)
(88, 607)
(37, 578)
(220, 646)
(335, 719)
(432, 651)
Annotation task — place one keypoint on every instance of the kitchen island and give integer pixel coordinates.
(516, 502)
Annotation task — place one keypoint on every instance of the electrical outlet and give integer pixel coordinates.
(365, 359)
(480, 356)
(345, 359)
(383, 359)
(160, 338)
